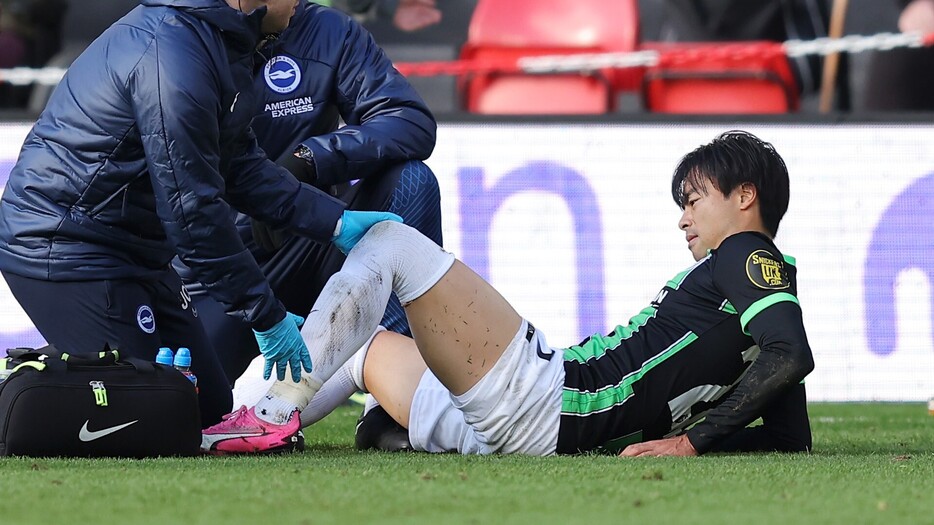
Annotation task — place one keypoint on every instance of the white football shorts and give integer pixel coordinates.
(514, 409)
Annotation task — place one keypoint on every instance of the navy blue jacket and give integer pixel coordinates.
(141, 152)
(325, 66)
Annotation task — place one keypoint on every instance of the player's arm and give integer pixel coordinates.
(769, 312)
(785, 427)
(749, 271)
(259, 188)
(386, 120)
(784, 359)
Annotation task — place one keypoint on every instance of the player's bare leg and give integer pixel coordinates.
(462, 326)
(391, 373)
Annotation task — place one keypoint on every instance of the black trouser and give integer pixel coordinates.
(134, 316)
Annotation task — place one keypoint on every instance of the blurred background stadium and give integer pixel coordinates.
(554, 172)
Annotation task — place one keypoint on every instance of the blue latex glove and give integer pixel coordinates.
(283, 344)
(354, 224)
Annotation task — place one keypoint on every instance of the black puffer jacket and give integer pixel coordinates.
(142, 152)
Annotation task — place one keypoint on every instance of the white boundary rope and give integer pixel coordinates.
(22, 76)
(855, 44)
(791, 48)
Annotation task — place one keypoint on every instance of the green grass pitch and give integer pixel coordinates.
(872, 463)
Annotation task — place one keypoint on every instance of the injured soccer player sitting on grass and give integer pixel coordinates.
(722, 345)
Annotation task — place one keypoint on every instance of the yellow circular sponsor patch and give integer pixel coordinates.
(766, 271)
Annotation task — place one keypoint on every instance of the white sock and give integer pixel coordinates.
(347, 380)
(251, 388)
(285, 397)
(390, 257)
(369, 404)
(276, 402)
(334, 392)
(355, 365)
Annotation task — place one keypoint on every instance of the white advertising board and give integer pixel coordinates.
(576, 226)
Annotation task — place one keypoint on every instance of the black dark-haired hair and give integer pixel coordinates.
(730, 160)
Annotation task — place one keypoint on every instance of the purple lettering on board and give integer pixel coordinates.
(478, 206)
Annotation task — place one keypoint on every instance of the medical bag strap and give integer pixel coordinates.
(107, 358)
(26, 353)
(61, 360)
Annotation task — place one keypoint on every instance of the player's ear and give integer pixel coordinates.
(747, 194)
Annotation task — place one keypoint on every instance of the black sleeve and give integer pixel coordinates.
(785, 427)
(760, 283)
(784, 359)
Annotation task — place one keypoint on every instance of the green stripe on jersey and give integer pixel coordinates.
(597, 345)
(762, 304)
(676, 281)
(583, 403)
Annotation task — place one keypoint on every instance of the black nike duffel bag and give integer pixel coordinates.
(90, 405)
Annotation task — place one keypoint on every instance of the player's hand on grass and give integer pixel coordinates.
(676, 446)
(283, 345)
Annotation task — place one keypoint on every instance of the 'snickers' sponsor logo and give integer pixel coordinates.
(766, 271)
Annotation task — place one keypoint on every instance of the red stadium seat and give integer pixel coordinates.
(540, 94)
(613, 25)
(747, 78)
(506, 30)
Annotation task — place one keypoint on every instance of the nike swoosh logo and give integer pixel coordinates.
(90, 435)
(209, 440)
(543, 355)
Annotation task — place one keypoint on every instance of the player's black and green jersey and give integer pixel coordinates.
(678, 357)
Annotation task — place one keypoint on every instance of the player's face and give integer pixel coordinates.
(278, 14)
(709, 216)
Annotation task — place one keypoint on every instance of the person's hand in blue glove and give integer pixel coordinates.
(354, 225)
(283, 345)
